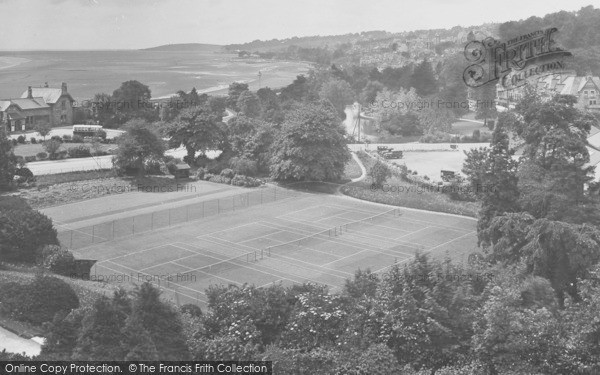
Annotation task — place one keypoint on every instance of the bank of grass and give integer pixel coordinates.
(398, 192)
(352, 170)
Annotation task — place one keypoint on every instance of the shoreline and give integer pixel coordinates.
(7, 62)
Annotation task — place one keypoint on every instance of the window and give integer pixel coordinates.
(63, 104)
(592, 92)
(63, 118)
(593, 102)
(585, 92)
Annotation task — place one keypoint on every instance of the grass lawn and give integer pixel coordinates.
(352, 170)
(405, 194)
(34, 149)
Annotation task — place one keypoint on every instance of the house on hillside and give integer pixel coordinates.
(585, 88)
(37, 105)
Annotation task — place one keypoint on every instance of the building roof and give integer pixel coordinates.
(182, 166)
(23, 104)
(50, 95)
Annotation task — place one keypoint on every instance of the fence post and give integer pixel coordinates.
(169, 217)
(233, 202)
(247, 199)
(71, 239)
(261, 199)
(218, 206)
(133, 226)
(187, 213)
(152, 221)
(93, 232)
(203, 210)
(113, 229)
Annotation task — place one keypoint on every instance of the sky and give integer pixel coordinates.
(133, 24)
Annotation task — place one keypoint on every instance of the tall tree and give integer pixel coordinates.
(338, 93)
(8, 161)
(138, 144)
(423, 79)
(248, 104)
(235, 90)
(310, 145)
(198, 129)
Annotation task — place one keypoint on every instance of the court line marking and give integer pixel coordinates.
(260, 270)
(135, 252)
(123, 273)
(429, 250)
(294, 260)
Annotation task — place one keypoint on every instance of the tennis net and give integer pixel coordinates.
(328, 234)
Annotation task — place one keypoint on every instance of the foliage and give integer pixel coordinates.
(379, 173)
(310, 146)
(198, 129)
(52, 146)
(80, 151)
(58, 260)
(139, 143)
(338, 93)
(24, 233)
(43, 128)
(38, 301)
(8, 161)
(248, 104)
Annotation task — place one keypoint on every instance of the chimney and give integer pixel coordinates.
(64, 88)
(29, 94)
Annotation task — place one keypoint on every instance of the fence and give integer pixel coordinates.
(108, 231)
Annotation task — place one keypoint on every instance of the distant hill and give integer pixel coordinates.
(185, 47)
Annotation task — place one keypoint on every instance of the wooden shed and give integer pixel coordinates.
(181, 171)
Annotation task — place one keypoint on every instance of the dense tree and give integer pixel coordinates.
(23, 234)
(369, 93)
(423, 79)
(310, 146)
(235, 90)
(162, 323)
(338, 93)
(248, 104)
(251, 139)
(132, 100)
(138, 144)
(8, 161)
(198, 129)
(379, 173)
(270, 107)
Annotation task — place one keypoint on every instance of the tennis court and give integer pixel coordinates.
(302, 238)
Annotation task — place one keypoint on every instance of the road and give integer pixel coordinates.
(15, 344)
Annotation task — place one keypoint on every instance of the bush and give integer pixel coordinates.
(476, 135)
(8, 203)
(200, 173)
(39, 301)
(24, 175)
(79, 152)
(21, 139)
(101, 134)
(379, 173)
(42, 155)
(14, 142)
(77, 139)
(66, 138)
(33, 141)
(241, 180)
(24, 233)
(227, 173)
(220, 179)
(29, 159)
(62, 154)
(171, 166)
(491, 124)
(152, 167)
(208, 176)
(244, 166)
(56, 138)
(57, 260)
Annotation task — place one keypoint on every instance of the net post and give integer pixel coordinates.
(203, 210)
(71, 239)
(133, 226)
(255, 255)
(152, 221)
(113, 229)
(261, 196)
(247, 199)
(233, 202)
(169, 217)
(218, 206)
(93, 232)
(187, 213)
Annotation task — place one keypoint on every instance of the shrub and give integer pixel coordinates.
(57, 260)
(227, 173)
(101, 134)
(66, 138)
(62, 154)
(29, 159)
(220, 179)
(192, 309)
(491, 124)
(39, 301)
(152, 167)
(14, 142)
(42, 155)
(171, 166)
(208, 176)
(79, 152)
(33, 141)
(379, 173)
(24, 233)
(25, 175)
(244, 166)
(21, 139)
(241, 180)
(56, 138)
(476, 135)
(200, 173)
(77, 139)
(9, 202)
